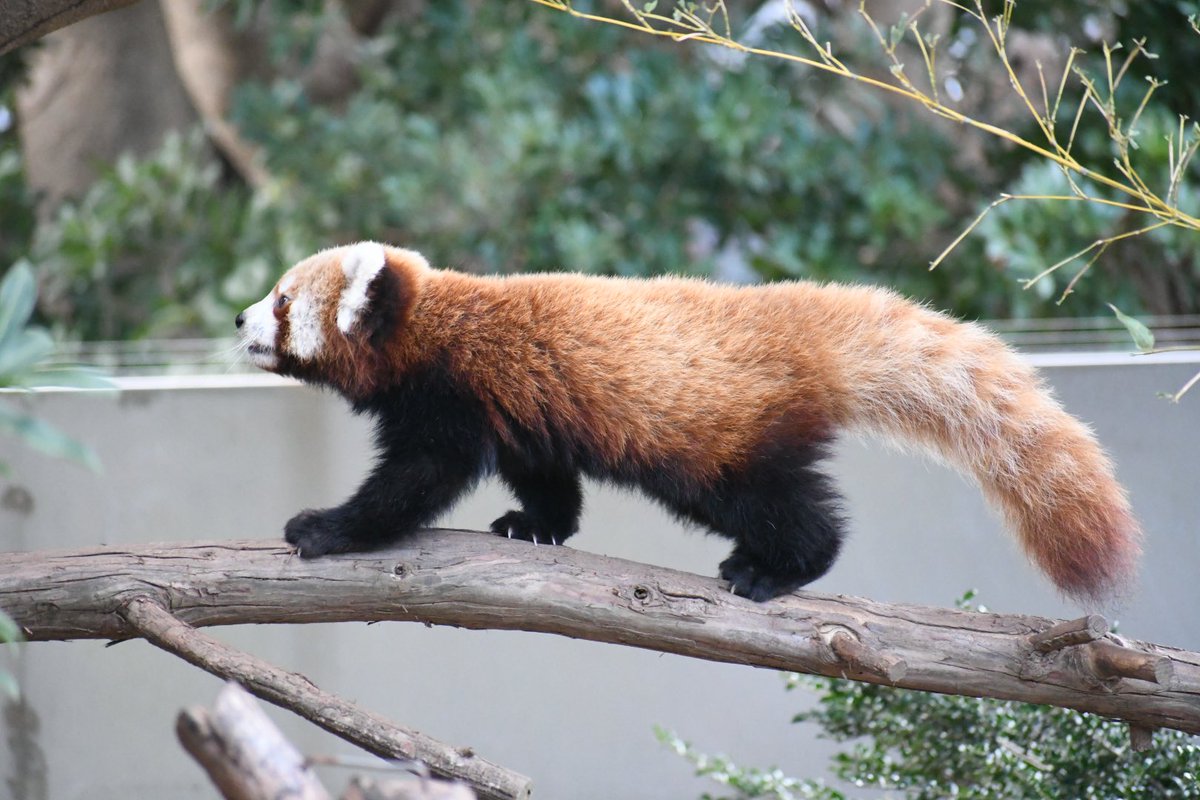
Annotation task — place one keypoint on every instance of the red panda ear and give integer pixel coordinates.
(380, 287)
(361, 263)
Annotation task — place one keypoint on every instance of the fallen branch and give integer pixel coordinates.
(248, 758)
(476, 581)
(243, 752)
(338, 716)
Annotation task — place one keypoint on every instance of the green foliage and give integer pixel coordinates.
(930, 746)
(16, 201)
(746, 782)
(160, 247)
(16, 204)
(502, 137)
(925, 746)
(10, 632)
(24, 351)
(1029, 237)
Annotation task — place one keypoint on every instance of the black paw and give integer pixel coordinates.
(748, 578)
(316, 533)
(519, 525)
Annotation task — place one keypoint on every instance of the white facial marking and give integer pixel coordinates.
(360, 263)
(258, 332)
(305, 337)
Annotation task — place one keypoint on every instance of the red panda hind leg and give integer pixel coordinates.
(782, 513)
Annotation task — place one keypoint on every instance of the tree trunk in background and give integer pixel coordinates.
(120, 81)
(101, 87)
(212, 56)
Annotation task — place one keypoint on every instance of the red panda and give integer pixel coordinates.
(717, 401)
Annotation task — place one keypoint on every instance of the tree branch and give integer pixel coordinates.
(21, 23)
(243, 753)
(477, 581)
(338, 716)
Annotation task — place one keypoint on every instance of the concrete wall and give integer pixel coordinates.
(187, 463)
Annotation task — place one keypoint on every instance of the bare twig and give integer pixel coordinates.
(338, 716)
(683, 24)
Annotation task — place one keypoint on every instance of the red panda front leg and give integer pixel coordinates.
(551, 500)
(402, 493)
(433, 447)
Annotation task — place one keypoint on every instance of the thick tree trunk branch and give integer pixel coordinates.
(476, 581)
(22, 21)
(338, 716)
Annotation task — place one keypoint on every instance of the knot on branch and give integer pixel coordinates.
(1099, 661)
(677, 601)
(857, 658)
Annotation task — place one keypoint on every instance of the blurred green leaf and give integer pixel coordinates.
(9, 630)
(44, 437)
(21, 351)
(18, 294)
(1141, 335)
(65, 378)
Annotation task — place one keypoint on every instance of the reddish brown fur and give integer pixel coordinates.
(688, 373)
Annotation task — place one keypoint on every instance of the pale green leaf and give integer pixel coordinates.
(10, 631)
(65, 378)
(8, 685)
(44, 437)
(22, 351)
(18, 293)
(1142, 337)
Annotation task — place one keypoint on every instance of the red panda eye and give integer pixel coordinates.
(282, 302)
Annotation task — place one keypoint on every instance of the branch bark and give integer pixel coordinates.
(22, 22)
(476, 581)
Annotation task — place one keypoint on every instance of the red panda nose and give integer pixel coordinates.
(240, 319)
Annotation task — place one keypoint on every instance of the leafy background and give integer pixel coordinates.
(502, 137)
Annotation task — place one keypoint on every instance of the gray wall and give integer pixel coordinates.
(236, 461)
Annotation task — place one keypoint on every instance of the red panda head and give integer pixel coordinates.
(330, 319)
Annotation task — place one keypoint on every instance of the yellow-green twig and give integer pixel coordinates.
(688, 26)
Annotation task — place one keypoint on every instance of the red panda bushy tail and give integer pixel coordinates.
(958, 390)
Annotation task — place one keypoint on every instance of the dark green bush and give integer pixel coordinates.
(925, 746)
(504, 137)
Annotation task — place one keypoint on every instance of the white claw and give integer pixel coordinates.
(553, 541)
(535, 541)
(510, 531)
